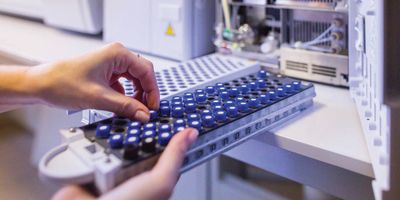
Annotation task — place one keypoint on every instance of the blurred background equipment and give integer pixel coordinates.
(84, 16)
(177, 30)
(303, 39)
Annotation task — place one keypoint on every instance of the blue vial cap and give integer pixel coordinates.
(210, 89)
(217, 108)
(296, 85)
(263, 98)
(254, 103)
(239, 99)
(221, 89)
(289, 88)
(116, 141)
(224, 95)
(229, 103)
(253, 86)
(134, 131)
(177, 103)
(280, 91)
(190, 107)
(164, 103)
(243, 107)
(179, 122)
(219, 84)
(188, 95)
(200, 91)
(195, 124)
(165, 111)
(215, 102)
(244, 89)
(188, 100)
(164, 138)
(149, 126)
(193, 117)
(262, 74)
(261, 83)
(208, 121)
(135, 125)
(177, 112)
(164, 128)
(233, 92)
(176, 99)
(153, 115)
(271, 95)
(201, 98)
(205, 112)
(220, 116)
(178, 129)
(148, 133)
(103, 131)
(132, 139)
(232, 111)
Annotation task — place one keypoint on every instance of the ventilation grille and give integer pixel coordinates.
(297, 66)
(323, 70)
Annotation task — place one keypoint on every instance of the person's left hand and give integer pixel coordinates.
(155, 184)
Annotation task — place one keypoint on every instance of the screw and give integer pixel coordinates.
(72, 130)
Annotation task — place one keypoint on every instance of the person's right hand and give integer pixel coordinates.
(156, 184)
(91, 81)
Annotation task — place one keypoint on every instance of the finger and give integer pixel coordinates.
(122, 105)
(171, 160)
(142, 69)
(118, 87)
(122, 60)
(72, 193)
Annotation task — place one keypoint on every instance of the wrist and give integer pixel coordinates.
(34, 84)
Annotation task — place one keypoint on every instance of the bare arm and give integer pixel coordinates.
(16, 88)
(88, 81)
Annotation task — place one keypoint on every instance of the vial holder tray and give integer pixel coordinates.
(226, 114)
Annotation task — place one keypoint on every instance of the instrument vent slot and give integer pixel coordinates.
(297, 66)
(323, 70)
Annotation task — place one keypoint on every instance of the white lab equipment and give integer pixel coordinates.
(27, 8)
(176, 29)
(84, 16)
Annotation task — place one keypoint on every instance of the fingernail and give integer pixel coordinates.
(193, 135)
(142, 116)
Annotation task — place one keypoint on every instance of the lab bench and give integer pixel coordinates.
(324, 148)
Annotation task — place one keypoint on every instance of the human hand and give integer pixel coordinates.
(91, 81)
(155, 184)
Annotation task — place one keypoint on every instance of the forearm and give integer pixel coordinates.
(16, 88)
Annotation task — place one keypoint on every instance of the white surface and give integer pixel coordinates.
(84, 16)
(31, 8)
(331, 133)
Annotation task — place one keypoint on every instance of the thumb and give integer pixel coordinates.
(123, 106)
(71, 193)
(167, 167)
